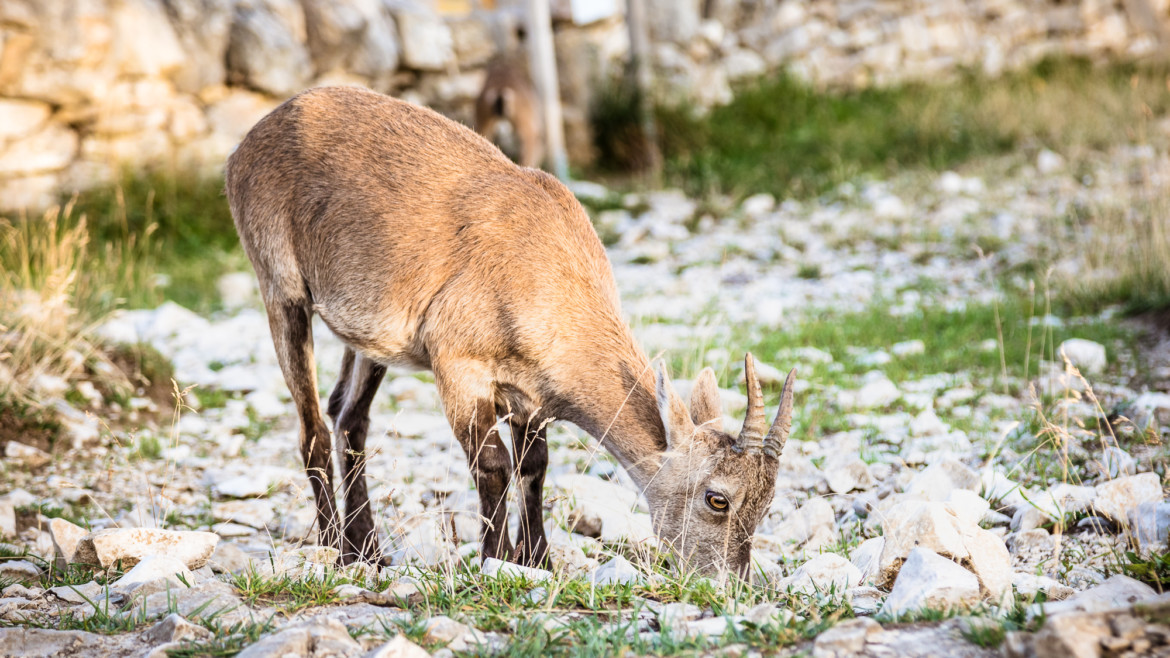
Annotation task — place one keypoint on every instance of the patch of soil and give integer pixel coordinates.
(25, 423)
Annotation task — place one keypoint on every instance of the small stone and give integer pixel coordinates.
(493, 568)
(1117, 592)
(1049, 162)
(846, 638)
(876, 394)
(617, 571)
(1150, 524)
(1085, 355)
(20, 571)
(90, 592)
(26, 455)
(867, 558)
(1029, 586)
(908, 348)
(826, 574)
(929, 581)
(151, 570)
(455, 635)
(1071, 636)
(173, 628)
(7, 518)
(399, 647)
(865, 600)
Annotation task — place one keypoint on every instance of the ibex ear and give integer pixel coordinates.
(705, 404)
(679, 428)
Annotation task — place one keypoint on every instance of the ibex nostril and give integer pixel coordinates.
(421, 245)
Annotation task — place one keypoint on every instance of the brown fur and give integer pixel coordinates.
(509, 95)
(419, 244)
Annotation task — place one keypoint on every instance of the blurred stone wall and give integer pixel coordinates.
(88, 87)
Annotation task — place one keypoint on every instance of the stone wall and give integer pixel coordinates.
(88, 87)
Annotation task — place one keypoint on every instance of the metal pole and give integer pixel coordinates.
(543, 61)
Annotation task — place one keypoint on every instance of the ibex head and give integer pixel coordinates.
(713, 488)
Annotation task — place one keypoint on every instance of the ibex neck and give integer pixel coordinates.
(617, 405)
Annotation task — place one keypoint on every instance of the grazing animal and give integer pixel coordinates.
(509, 95)
(419, 244)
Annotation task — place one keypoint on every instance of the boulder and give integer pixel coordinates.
(426, 40)
(21, 117)
(51, 148)
(1116, 498)
(929, 581)
(128, 546)
(203, 27)
(356, 36)
(265, 52)
(911, 525)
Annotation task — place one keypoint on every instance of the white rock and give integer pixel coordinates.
(989, 560)
(929, 581)
(877, 393)
(21, 571)
(1048, 162)
(66, 536)
(426, 40)
(845, 639)
(1030, 586)
(456, 636)
(927, 423)
(1150, 524)
(969, 506)
(21, 117)
(237, 289)
(128, 546)
(7, 518)
(867, 558)
(399, 647)
(812, 519)
(824, 574)
(258, 514)
(154, 568)
(937, 481)
(259, 481)
(1088, 356)
(1115, 463)
(910, 525)
(606, 507)
(1116, 498)
(908, 348)
(617, 571)
(50, 149)
(26, 455)
(758, 205)
(493, 568)
(1116, 592)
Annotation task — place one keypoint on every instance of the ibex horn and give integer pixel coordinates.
(751, 437)
(778, 434)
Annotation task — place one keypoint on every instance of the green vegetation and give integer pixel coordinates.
(782, 136)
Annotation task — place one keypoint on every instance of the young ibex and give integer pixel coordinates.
(421, 245)
(509, 95)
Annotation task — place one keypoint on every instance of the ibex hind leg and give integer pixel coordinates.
(466, 392)
(349, 405)
(292, 335)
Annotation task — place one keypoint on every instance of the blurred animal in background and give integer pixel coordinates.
(508, 110)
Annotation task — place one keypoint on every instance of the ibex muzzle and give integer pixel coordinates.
(419, 244)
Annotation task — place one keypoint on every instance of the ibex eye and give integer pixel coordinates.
(716, 501)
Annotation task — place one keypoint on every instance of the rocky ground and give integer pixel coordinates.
(953, 486)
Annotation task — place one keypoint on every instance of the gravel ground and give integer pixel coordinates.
(997, 492)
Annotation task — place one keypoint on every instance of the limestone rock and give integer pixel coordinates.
(911, 525)
(203, 27)
(493, 568)
(929, 581)
(399, 647)
(426, 40)
(26, 455)
(153, 569)
(66, 536)
(618, 571)
(264, 52)
(21, 117)
(1086, 355)
(1116, 498)
(845, 639)
(824, 574)
(455, 635)
(128, 546)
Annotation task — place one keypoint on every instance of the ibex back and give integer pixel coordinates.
(419, 244)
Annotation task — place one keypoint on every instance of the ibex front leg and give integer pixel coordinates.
(292, 334)
(349, 406)
(530, 445)
(472, 414)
